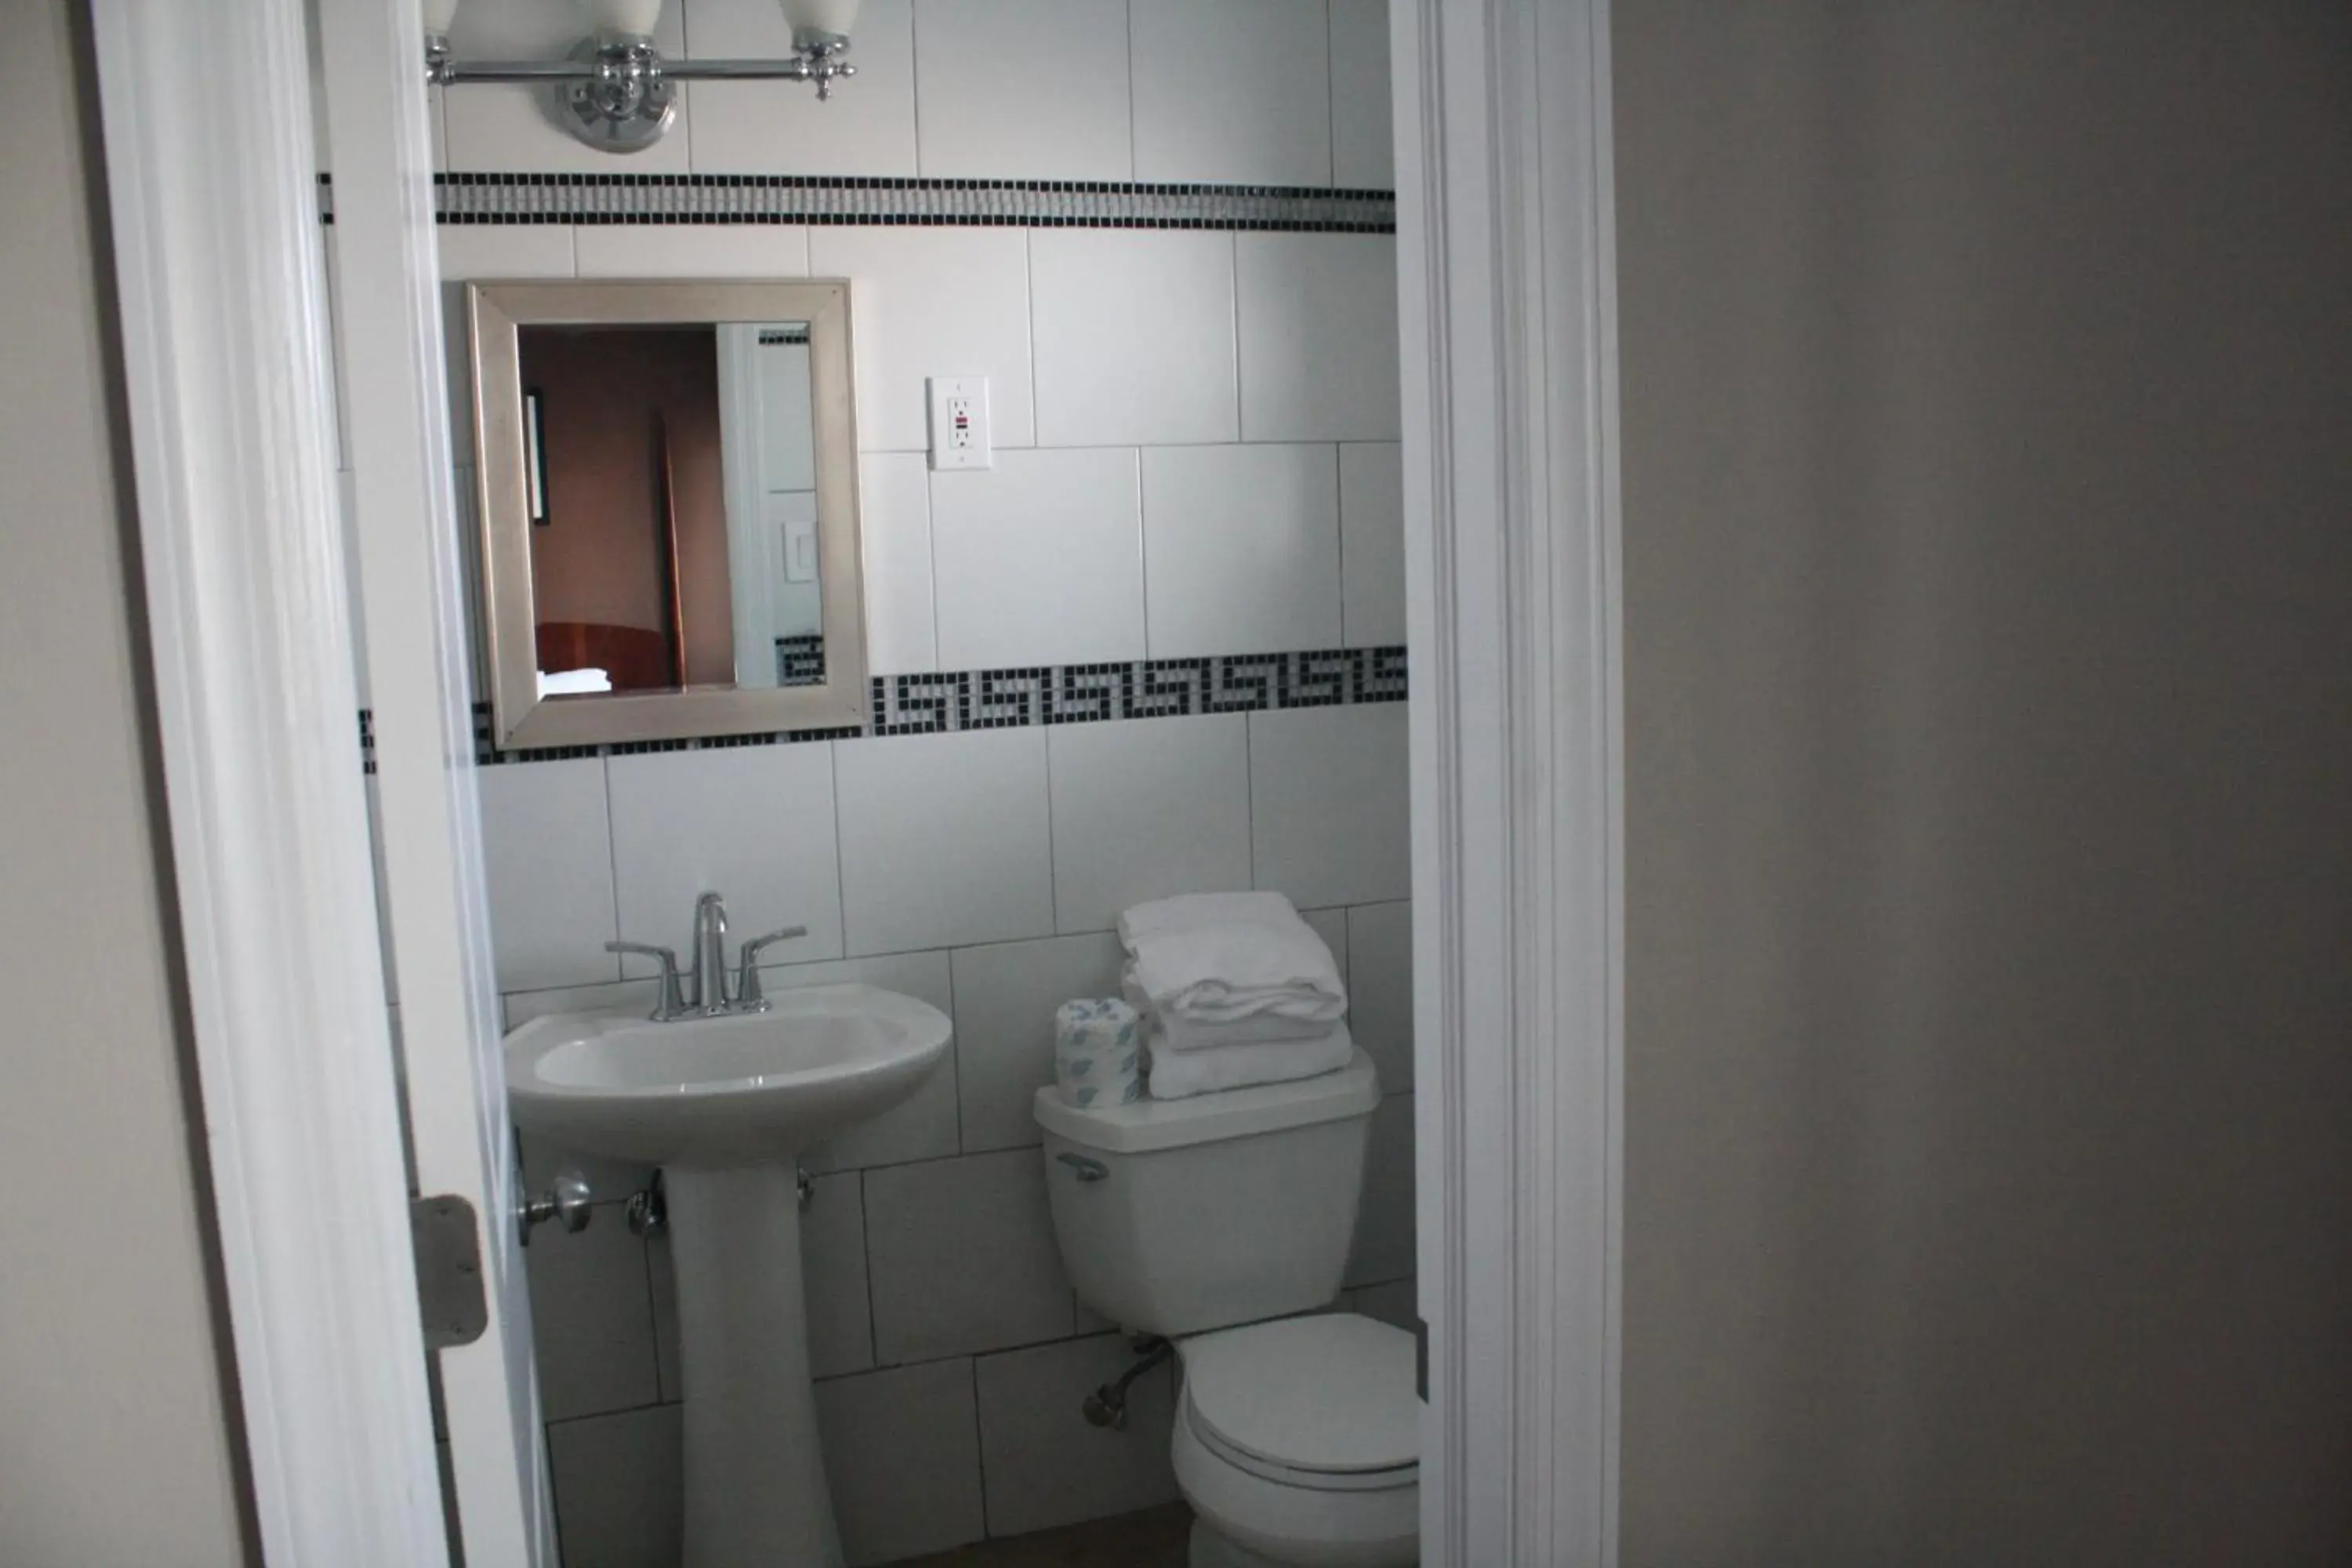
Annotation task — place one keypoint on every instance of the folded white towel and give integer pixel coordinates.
(1180, 1074)
(1180, 1031)
(1222, 957)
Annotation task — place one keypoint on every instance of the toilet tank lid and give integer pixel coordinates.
(1148, 1124)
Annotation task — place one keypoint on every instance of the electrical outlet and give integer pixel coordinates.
(960, 434)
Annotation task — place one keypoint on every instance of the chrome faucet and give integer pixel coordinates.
(704, 994)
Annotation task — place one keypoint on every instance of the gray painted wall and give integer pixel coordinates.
(114, 1448)
(1987, 475)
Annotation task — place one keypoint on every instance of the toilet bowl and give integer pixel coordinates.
(1297, 1443)
(1215, 1222)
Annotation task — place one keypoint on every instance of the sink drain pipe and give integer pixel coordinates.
(1106, 1406)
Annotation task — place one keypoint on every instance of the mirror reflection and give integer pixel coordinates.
(670, 483)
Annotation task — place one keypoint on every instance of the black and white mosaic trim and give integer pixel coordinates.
(939, 703)
(799, 660)
(494, 199)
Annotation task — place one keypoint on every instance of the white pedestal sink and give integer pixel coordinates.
(723, 1105)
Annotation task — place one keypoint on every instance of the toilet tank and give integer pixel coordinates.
(1179, 1216)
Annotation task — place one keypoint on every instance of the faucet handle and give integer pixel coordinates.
(749, 997)
(673, 996)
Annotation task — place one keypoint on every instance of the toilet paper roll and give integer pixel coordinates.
(1098, 1053)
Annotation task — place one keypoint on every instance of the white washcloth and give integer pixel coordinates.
(1222, 957)
(1180, 1074)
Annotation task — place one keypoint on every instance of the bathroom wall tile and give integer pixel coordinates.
(1371, 544)
(591, 1318)
(867, 127)
(1044, 1465)
(922, 1126)
(902, 1452)
(691, 250)
(1379, 989)
(1039, 560)
(1384, 1223)
(944, 839)
(1145, 809)
(1329, 819)
(1244, 545)
(1070, 119)
(1318, 336)
(1363, 154)
(620, 1491)
(893, 508)
(1134, 337)
(832, 1283)
(548, 859)
(1397, 1303)
(754, 823)
(507, 129)
(1231, 90)
(1005, 994)
(934, 301)
(1331, 925)
(961, 1258)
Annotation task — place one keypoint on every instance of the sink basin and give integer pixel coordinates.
(746, 1089)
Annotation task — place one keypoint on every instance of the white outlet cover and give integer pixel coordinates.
(961, 434)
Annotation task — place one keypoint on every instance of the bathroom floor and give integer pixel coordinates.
(1153, 1539)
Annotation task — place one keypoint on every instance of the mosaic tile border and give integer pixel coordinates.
(599, 199)
(933, 703)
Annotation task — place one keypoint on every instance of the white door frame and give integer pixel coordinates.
(1507, 282)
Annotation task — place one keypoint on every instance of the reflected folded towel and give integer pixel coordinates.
(1180, 1074)
(1220, 958)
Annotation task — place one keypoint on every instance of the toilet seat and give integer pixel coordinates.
(1296, 1441)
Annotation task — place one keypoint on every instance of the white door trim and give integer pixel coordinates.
(221, 290)
(1506, 274)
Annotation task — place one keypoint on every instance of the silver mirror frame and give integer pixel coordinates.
(524, 719)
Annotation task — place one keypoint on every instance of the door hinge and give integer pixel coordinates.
(448, 1243)
(1420, 1359)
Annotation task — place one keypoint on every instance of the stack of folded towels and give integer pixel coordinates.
(1236, 990)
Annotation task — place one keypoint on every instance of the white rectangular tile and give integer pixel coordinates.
(1371, 544)
(902, 1454)
(547, 853)
(507, 129)
(473, 252)
(1363, 153)
(1134, 337)
(867, 127)
(752, 823)
(1318, 336)
(1379, 989)
(1329, 819)
(591, 1318)
(933, 301)
(1145, 809)
(1331, 925)
(832, 1284)
(1384, 1223)
(1069, 120)
(1045, 1464)
(1243, 546)
(961, 1258)
(1231, 90)
(894, 517)
(923, 1125)
(691, 250)
(1005, 994)
(944, 839)
(1039, 560)
(620, 1488)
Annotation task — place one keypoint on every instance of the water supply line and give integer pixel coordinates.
(1106, 1406)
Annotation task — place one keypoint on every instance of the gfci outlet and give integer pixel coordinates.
(960, 435)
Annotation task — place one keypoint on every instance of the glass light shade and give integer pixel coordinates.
(834, 16)
(636, 17)
(439, 14)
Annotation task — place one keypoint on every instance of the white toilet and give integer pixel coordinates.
(1201, 1219)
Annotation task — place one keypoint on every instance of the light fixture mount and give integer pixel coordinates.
(618, 94)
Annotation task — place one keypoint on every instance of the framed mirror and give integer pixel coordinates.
(668, 504)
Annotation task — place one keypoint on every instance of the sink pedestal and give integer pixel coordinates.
(755, 1486)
